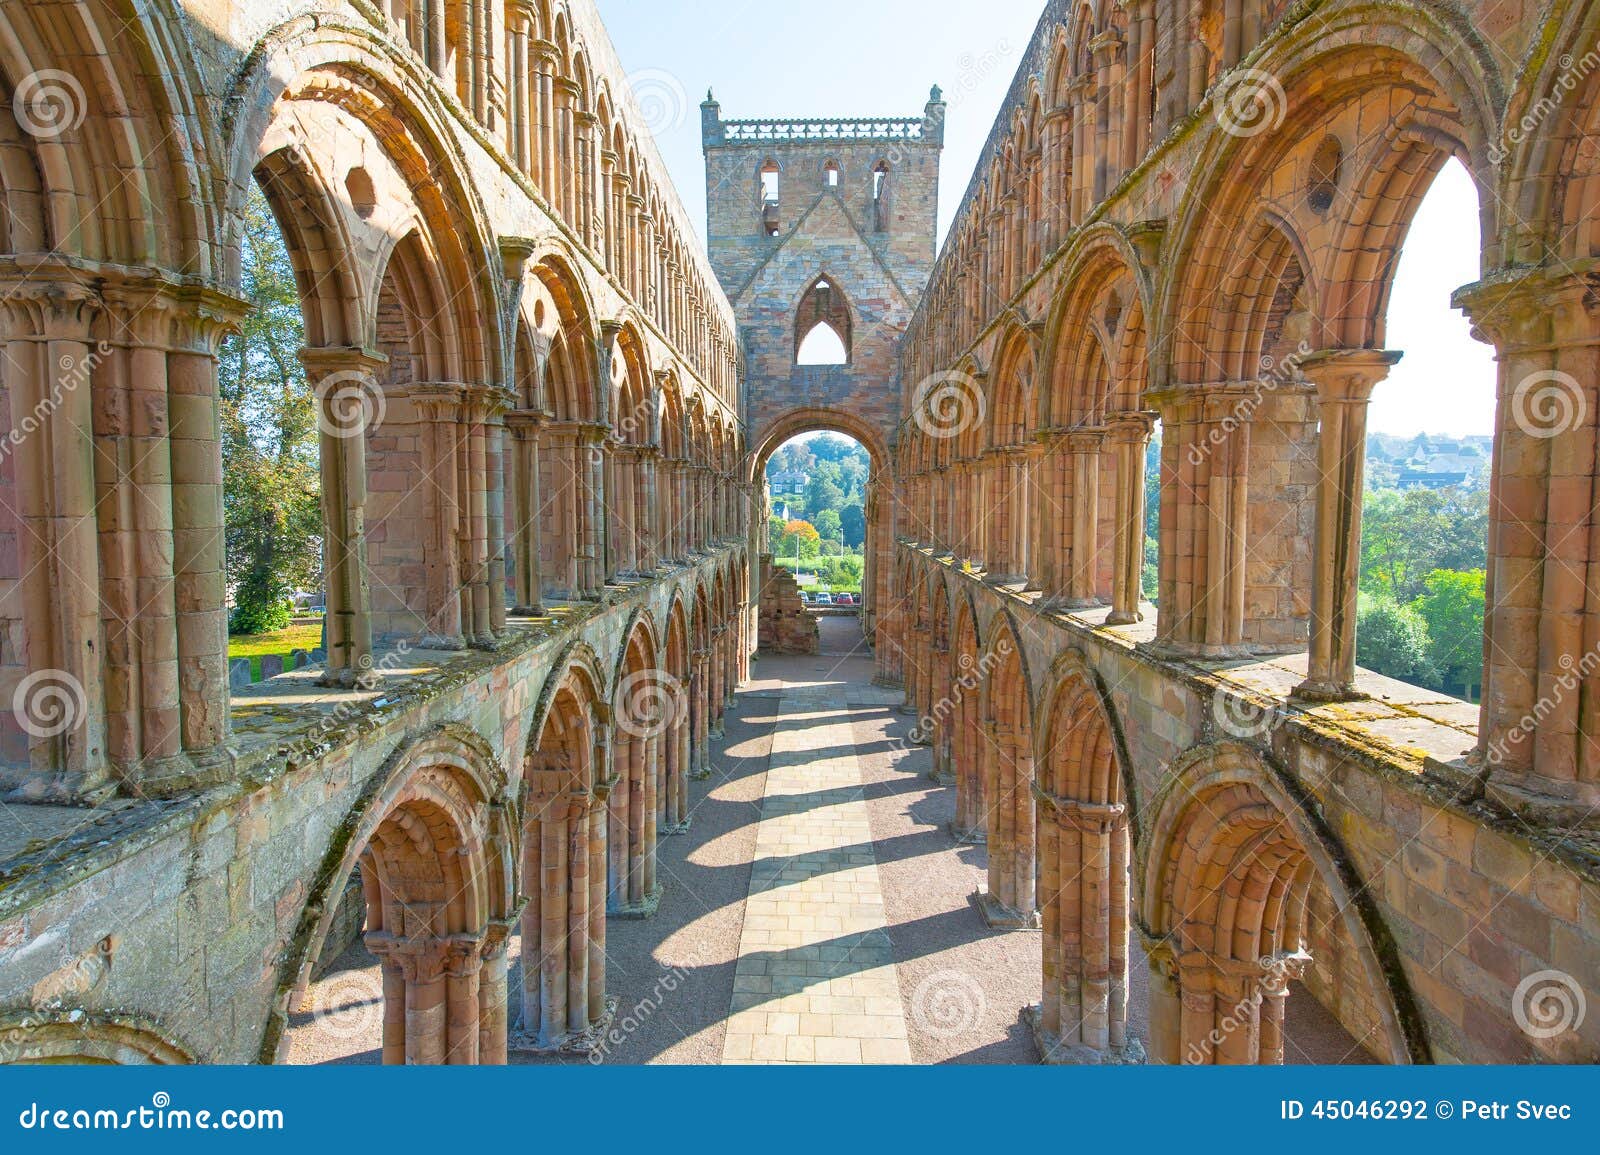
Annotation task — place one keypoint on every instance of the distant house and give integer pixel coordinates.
(788, 481)
(1429, 479)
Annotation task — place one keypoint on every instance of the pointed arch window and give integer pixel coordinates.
(822, 329)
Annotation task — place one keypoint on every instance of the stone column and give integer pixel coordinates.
(1205, 457)
(345, 381)
(1129, 435)
(134, 510)
(492, 1025)
(447, 599)
(595, 969)
(1539, 730)
(48, 362)
(1344, 379)
(463, 966)
(524, 537)
(1166, 1010)
(1084, 447)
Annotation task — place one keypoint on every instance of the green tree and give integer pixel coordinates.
(1407, 534)
(1453, 609)
(853, 521)
(1393, 640)
(804, 533)
(271, 480)
(823, 493)
(827, 522)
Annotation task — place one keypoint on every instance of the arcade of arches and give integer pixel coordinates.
(540, 742)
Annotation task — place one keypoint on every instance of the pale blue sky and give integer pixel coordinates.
(879, 58)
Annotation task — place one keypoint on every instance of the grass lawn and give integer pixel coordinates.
(253, 646)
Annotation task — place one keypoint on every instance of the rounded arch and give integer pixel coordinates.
(1082, 752)
(1227, 861)
(1095, 347)
(1436, 100)
(76, 1036)
(303, 64)
(576, 672)
(456, 751)
(1549, 168)
(106, 149)
(805, 419)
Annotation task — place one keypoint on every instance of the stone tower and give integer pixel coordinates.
(822, 222)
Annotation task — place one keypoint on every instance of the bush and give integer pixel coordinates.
(259, 607)
(1392, 640)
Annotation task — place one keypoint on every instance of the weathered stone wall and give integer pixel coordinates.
(1454, 903)
(785, 625)
(202, 907)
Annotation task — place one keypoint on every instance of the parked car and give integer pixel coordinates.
(805, 597)
(824, 599)
(844, 599)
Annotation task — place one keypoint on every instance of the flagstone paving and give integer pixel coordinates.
(815, 979)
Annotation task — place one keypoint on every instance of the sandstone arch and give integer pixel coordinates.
(1230, 858)
(568, 782)
(642, 709)
(1007, 748)
(1085, 819)
(434, 840)
(73, 1036)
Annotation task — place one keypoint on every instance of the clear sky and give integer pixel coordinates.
(880, 57)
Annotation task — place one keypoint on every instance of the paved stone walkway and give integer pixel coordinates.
(815, 979)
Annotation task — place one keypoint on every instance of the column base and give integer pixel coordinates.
(1325, 692)
(589, 1042)
(699, 773)
(181, 773)
(943, 778)
(1464, 776)
(1054, 1052)
(973, 836)
(1553, 811)
(645, 908)
(674, 828)
(1123, 619)
(999, 916)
